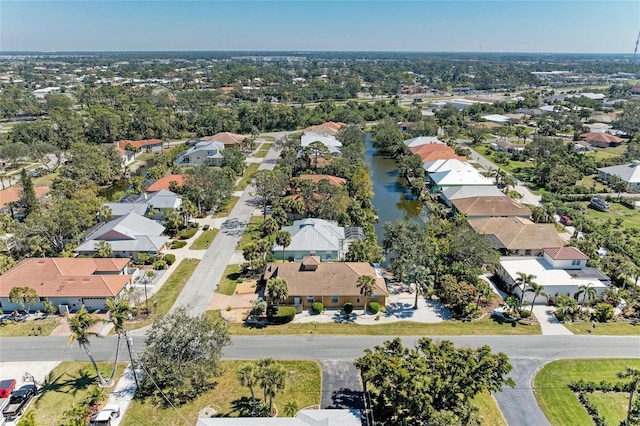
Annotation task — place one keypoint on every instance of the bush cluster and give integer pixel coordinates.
(178, 244)
(188, 233)
(348, 308)
(284, 315)
(205, 227)
(581, 388)
(160, 265)
(170, 258)
(374, 307)
(317, 307)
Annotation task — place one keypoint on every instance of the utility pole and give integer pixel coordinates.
(133, 365)
(635, 51)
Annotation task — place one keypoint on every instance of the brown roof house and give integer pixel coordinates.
(165, 183)
(332, 283)
(518, 236)
(601, 140)
(330, 128)
(67, 281)
(333, 180)
(226, 138)
(486, 206)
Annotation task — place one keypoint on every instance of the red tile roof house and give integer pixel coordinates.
(331, 283)
(147, 145)
(165, 183)
(601, 140)
(67, 281)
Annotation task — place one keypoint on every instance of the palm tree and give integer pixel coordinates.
(272, 378)
(366, 284)
(79, 324)
(248, 376)
(508, 182)
(291, 408)
(283, 238)
(536, 289)
(634, 374)
(524, 280)
(277, 290)
(587, 291)
(419, 275)
(103, 249)
(484, 292)
(119, 311)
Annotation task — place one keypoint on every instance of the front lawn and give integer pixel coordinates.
(402, 328)
(66, 385)
(168, 293)
(224, 211)
(204, 240)
(488, 410)
(560, 404)
(28, 328)
(251, 170)
(518, 169)
(630, 216)
(619, 328)
(262, 152)
(304, 384)
(251, 233)
(228, 283)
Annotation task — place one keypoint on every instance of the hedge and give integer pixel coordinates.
(205, 227)
(188, 233)
(374, 307)
(348, 308)
(317, 307)
(284, 315)
(159, 265)
(170, 258)
(178, 244)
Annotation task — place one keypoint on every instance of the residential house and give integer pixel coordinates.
(429, 153)
(165, 182)
(406, 126)
(67, 281)
(629, 173)
(329, 128)
(517, 236)
(202, 153)
(317, 237)
(459, 173)
(142, 204)
(561, 271)
(226, 138)
(329, 141)
(13, 195)
(147, 145)
(456, 192)
(506, 146)
(322, 417)
(128, 157)
(331, 283)
(601, 140)
(484, 207)
(333, 180)
(635, 92)
(497, 118)
(128, 235)
(422, 140)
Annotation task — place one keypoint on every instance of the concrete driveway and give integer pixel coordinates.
(341, 386)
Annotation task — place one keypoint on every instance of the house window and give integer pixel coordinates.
(527, 252)
(357, 299)
(43, 299)
(373, 296)
(575, 262)
(309, 299)
(334, 299)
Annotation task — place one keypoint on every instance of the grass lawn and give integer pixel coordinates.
(403, 328)
(630, 217)
(46, 180)
(602, 153)
(589, 182)
(251, 233)
(515, 168)
(227, 284)
(263, 151)
(489, 411)
(247, 176)
(25, 328)
(168, 293)
(224, 211)
(304, 382)
(619, 328)
(612, 405)
(204, 240)
(66, 385)
(559, 403)
(269, 138)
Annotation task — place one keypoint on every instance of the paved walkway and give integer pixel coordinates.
(548, 321)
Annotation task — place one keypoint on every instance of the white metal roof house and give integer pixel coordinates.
(497, 118)
(200, 154)
(457, 175)
(128, 235)
(332, 144)
(561, 270)
(317, 237)
(630, 173)
(422, 140)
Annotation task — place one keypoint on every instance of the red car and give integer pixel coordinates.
(566, 220)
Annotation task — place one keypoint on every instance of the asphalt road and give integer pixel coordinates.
(527, 354)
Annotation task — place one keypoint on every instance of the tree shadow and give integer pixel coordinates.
(347, 398)
(242, 406)
(253, 325)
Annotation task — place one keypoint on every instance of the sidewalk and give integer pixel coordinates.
(123, 393)
(548, 321)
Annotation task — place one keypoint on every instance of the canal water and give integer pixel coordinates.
(123, 184)
(393, 199)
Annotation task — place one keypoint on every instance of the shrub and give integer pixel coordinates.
(205, 227)
(604, 312)
(194, 225)
(170, 258)
(317, 307)
(348, 308)
(201, 215)
(188, 233)
(374, 307)
(144, 258)
(159, 265)
(178, 244)
(284, 315)
(525, 313)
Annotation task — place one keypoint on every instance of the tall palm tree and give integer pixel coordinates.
(79, 324)
(366, 284)
(277, 289)
(537, 290)
(634, 374)
(283, 238)
(248, 376)
(119, 311)
(524, 280)
(419, 275)
(587, 291)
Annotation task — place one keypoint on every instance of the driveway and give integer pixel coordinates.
(548, 321)
(341, 386)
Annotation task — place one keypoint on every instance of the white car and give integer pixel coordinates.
(104, 416)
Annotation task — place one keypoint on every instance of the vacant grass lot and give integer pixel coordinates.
(630, 217)
(168, 293)
(67, 385)
(602, 153)
(227, 284)
(204, 240)
(515, 168)
(303, 385)
(403, 328)
(619, 328)
(247, 176)
(559, 403)
(26, 328)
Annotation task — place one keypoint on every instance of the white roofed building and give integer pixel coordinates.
(332, 144)
(422, 140)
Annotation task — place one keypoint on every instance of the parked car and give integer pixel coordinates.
(19, 401)
(106, 415)
(6, 387)
(600, 204)
(566, 220)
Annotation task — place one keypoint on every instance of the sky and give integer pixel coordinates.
(555, 26)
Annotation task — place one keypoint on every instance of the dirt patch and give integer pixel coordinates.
(248, 286)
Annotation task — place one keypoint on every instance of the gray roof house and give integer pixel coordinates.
(160, 200)
(317, 237)
(128, 235)
(630, 173)
(451, 193)
(201, 153)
